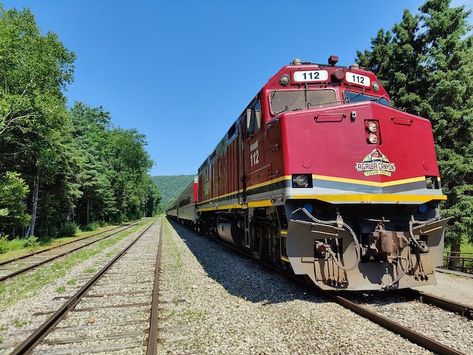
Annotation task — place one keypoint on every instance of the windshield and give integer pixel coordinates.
(300, 99)
(351, 96)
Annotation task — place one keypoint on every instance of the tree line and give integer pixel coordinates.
(59, 166)
(426, 64)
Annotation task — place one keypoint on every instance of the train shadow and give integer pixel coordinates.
(240, 275)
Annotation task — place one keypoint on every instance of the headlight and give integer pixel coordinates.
(373, 138)
(301, 181)
(372, 127)
(284, 80)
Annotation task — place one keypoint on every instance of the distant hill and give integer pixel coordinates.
(170, 187)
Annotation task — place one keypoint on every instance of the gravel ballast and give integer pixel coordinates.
(19, 320)
(114, 314)
(445, 327)
(452, 287)
(216, 301)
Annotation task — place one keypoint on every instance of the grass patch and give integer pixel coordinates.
(18, 247)
(194, 314)
(17, 244)
(28, 284)
(61, 289)
(20, 323)
(90, 270)
(171, 246)
(466, 247)
(71, 282)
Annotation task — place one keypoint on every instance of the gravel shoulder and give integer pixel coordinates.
(452, 287)
(218, 302)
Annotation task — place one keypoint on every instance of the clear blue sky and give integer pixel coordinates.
(182, 71)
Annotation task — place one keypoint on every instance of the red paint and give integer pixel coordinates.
(323, 141)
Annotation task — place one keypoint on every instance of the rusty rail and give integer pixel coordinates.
(448, 305)
(40, 333)
(411, 335)
(33, 266)
(9, 261)
(153, 326)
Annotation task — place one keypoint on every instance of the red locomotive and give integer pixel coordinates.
(319, 173)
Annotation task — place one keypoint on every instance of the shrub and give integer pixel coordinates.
(31, 242)
(91, 226)
(16, 244)
(3, 244)
(68, 229)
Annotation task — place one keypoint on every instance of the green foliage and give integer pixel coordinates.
(68, 229)
(91, 227)
(13, 192)
(17, 244)
(426, 63)
(60, 167)
(170, 187)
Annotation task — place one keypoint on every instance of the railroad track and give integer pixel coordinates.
(346, 300)
(17, 266)
(416, 336)
(116, 310)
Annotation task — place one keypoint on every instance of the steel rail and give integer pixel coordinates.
(409, 334)
(9, 261)
(33, 266)
(447, 305)
(44, 329)
(152, 346)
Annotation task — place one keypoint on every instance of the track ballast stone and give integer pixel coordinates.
(215, 301)
(114, 314)
(445, 327)
(31, 312)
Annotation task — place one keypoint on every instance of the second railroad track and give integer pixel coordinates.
(116, 310)
(28, 262)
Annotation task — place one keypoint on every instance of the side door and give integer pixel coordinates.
(253, 148)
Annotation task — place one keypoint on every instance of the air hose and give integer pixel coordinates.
(339, 222)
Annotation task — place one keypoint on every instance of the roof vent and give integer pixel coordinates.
(296, 61)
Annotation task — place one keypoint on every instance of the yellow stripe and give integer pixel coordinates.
(223, 207)
(368, 183)
(273, 181)
(221, 196)
(371, 198)
(283, 231)
(262, 203)
(283, 258)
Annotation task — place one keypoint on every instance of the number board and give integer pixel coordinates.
(310, 75)
(357, 79)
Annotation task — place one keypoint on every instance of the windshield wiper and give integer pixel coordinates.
(378, 99)
(285, 109)
(348, 100)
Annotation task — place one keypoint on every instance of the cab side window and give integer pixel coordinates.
(253, 118)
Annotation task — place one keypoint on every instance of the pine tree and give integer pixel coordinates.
(426, 63)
